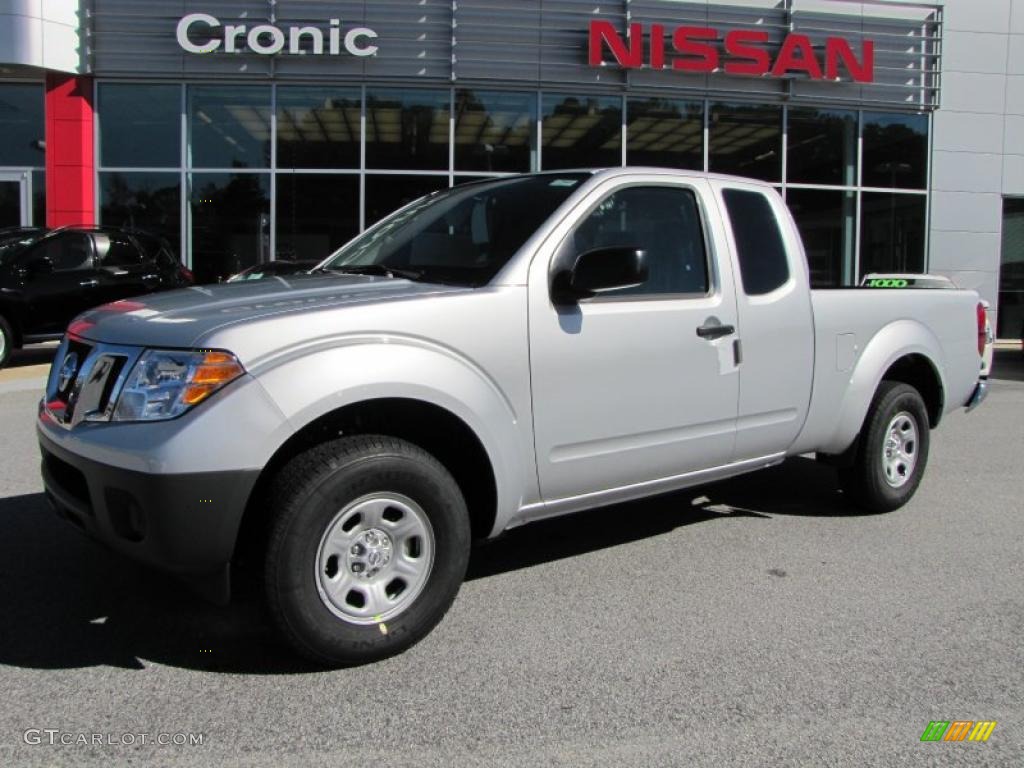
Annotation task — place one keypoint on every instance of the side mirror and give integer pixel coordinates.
(602, 269)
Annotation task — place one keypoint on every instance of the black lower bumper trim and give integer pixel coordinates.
(185, 524)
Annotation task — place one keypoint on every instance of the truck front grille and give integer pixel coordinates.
(86, 379)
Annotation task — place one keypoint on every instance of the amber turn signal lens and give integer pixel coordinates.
(216, 370)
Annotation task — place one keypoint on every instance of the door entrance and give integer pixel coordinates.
(15, 199)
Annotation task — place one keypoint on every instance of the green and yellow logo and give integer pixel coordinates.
(958, 730)
(888, 282)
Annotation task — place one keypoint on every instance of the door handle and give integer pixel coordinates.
(89, 283)
(712, 331)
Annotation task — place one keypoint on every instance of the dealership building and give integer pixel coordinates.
(245, 130)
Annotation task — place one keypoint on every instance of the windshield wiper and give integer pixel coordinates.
(375, 269)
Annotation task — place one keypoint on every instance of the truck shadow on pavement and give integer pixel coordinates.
(68, 603)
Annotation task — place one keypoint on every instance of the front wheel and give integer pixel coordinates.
(367, 551)
(892, 450)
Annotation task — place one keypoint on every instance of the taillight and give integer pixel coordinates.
(187, 274)
(982, 320)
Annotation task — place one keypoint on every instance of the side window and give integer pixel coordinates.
(117, 251)
(759, 247)
(66, 251)
(665, 222)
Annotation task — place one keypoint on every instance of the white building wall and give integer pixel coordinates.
(978, 140)
(42, 33)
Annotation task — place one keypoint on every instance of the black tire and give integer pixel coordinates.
(866, 481)
(7, 343)
(308, 498)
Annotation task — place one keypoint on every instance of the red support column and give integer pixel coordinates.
(70, 166)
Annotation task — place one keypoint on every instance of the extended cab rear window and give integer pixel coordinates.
(759, 247)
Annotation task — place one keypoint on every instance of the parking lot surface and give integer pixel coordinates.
(759, 621)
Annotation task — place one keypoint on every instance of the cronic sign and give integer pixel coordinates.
(199, 33)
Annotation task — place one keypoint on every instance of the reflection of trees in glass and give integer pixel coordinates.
(822, 146)
(895, 150)
(139, 203)
(230, 226)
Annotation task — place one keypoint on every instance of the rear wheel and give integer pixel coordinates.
(892, 450)
(6, 341)
(367, 550)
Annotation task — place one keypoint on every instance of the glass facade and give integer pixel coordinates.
(1010, 322)
(746, 140)
(821, 146)
(495, 131)
(667, 133)
(230, 214)
(891, 232)
(827, 220)
(316, 212)
(149, 200)
(581, 131)
(318, 127)
(140, 126)
(236, 174)
(22, 149)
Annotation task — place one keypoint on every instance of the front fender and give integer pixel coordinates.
(307, 384)
(892, 342)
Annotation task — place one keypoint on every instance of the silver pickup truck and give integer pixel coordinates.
(504, 351)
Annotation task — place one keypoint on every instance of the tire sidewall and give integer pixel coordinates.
(900, 397)
(8, 341)
(292, 567)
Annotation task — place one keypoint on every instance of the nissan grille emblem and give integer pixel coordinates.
(67, 371)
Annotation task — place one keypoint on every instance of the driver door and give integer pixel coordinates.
(625, 391)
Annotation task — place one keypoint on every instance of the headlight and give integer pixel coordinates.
(166, 383)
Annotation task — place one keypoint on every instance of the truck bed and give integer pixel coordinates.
(855, 329)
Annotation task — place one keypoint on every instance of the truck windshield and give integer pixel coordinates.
(464, 235)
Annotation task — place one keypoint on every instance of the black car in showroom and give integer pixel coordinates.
(48, 276)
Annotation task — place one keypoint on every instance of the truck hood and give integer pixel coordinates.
(183, 317)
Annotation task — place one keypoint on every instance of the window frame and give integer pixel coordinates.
(564, 252)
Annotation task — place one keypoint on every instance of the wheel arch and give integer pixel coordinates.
(905, 351)
(432, 427)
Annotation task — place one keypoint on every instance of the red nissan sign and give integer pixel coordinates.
(743, 51)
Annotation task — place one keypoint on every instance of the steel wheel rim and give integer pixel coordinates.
(900, 449)
(374, 558)
(3, 343)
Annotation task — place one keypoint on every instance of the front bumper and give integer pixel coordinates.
(185, 524)
(978, 396)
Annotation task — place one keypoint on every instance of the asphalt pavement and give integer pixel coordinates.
(759, 621)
